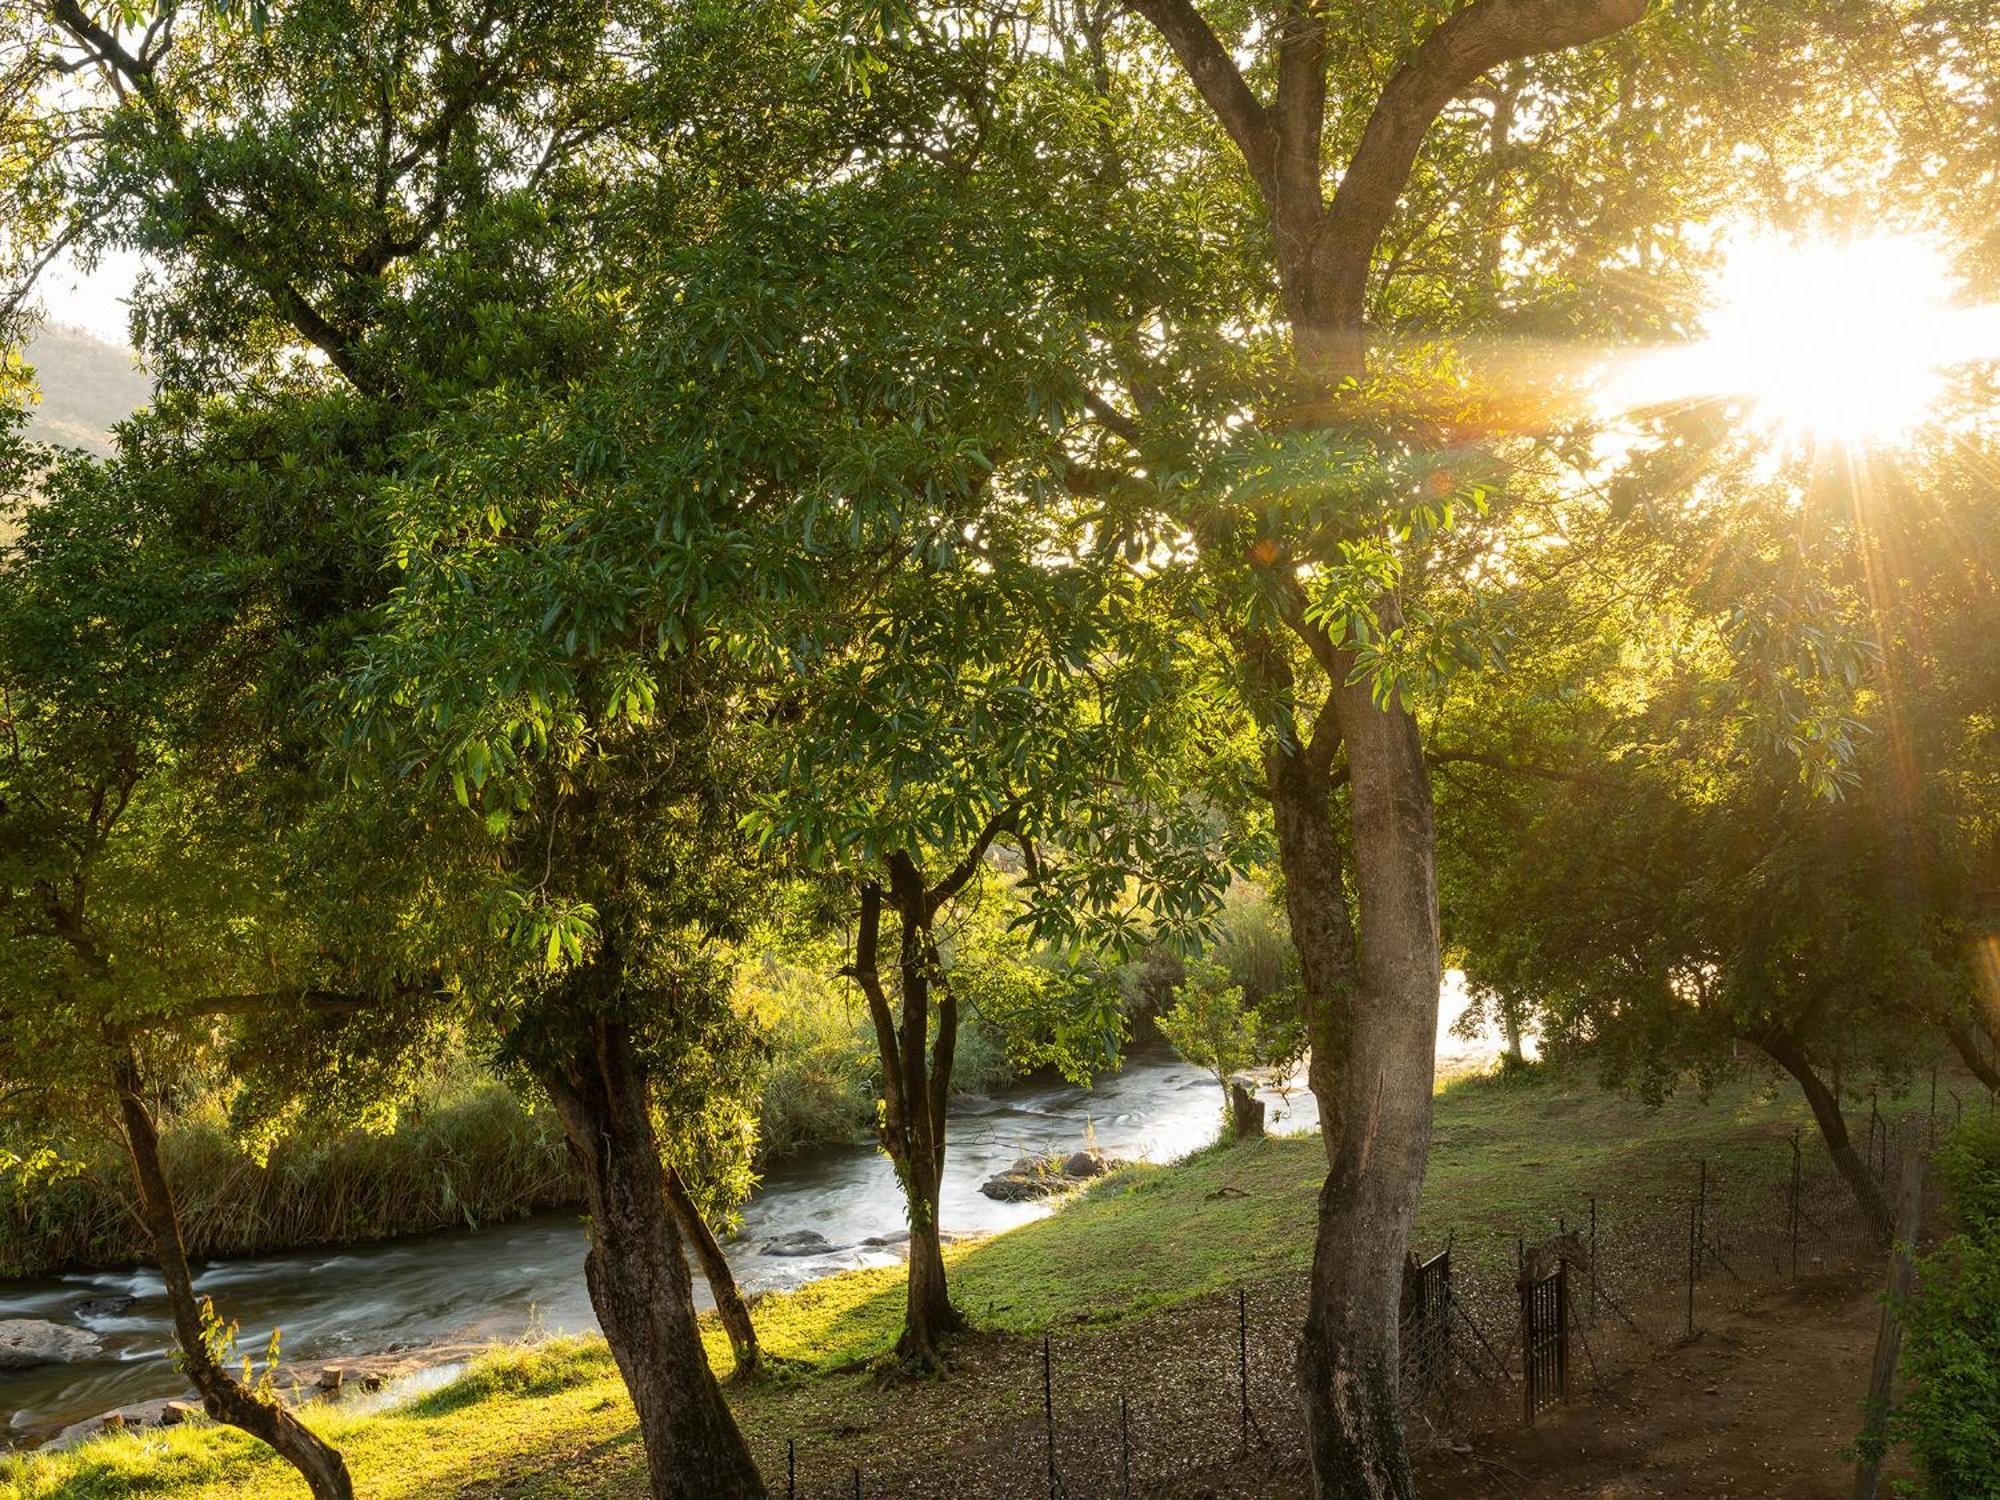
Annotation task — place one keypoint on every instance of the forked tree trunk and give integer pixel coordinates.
(916, 1143)
(638, 1275)
(715, 1270)
(1372, 1013)
(1372, 1005)
(1785, 1050)
(223, 1396)
(916, 1071)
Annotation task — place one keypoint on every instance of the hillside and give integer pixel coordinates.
(87, 386)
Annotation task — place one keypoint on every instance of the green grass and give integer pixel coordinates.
(554, 1420)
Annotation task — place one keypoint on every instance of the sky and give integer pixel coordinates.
(91, 301)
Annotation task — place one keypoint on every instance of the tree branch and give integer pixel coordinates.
(866, 971)
(1520, 767)
(1470, 43)
(1003, 821)
(1216, 77)
(1300, 117)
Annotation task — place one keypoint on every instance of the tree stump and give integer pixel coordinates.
(1246, 1112)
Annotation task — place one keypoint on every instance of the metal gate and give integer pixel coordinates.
(1545, 1340)
(1426, 1325)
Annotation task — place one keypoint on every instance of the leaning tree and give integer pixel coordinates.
(139, 900)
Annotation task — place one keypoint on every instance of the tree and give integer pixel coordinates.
(135, 898)
(1311, 523)
(449, 211)
(1004, 686)
(1778, 797)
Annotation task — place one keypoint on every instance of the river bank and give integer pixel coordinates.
(524, 1280)
(552, 1419)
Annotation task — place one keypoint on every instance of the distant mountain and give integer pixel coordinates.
(87, 386)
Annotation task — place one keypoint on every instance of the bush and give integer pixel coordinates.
(1950, 1419)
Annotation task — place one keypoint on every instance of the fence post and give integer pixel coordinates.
(1701, 1217)
(1527, 1291)
(1871, 1444)
(1049, 1413)
(1593, 1258)
(1793, 1221)
(1693, 1263)
(1245, 1419)
(1124, 1450)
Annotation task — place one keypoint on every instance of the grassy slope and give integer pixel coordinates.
(555, 1421)
(86, 385)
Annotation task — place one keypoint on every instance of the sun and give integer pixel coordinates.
(1844, 341)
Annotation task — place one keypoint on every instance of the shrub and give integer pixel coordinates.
(1950, 1419)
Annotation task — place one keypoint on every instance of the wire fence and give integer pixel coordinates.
(1498, 1326)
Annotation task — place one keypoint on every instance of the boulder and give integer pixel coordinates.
(885, 1241)
(103, 1307)
(28, 1342)
(1030, 1177)
(798, 1242)
(1033, 1177)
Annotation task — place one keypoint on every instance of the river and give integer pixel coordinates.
(526, 1278)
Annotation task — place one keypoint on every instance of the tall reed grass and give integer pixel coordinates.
(469, 1155)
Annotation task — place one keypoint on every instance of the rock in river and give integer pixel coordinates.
(103, 1307)
(27, 1342)
(1034, 1177)
(798, 1242)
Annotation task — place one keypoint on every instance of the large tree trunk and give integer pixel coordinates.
(1784, 1049)
(1373, 1016)
(729, 1304)
(638, 1275)
(225, 1398)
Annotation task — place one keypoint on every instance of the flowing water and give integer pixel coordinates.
(526, 1278)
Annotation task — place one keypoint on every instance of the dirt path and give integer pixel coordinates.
(1758, 1404)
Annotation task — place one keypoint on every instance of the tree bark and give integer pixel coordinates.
(729, 1304)
(1245, 1113)
(638, 1274)
(225, 1398)
(1784, 1049)
(1373, 1001)
(916, 1077)
(1510, 1023)
(1966, 1044)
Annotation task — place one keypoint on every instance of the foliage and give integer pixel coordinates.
(1950, 1416)
(462, 1151)
(1212, 1026)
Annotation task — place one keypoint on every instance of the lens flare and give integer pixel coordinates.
(1828, 339)
(1824, 341)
